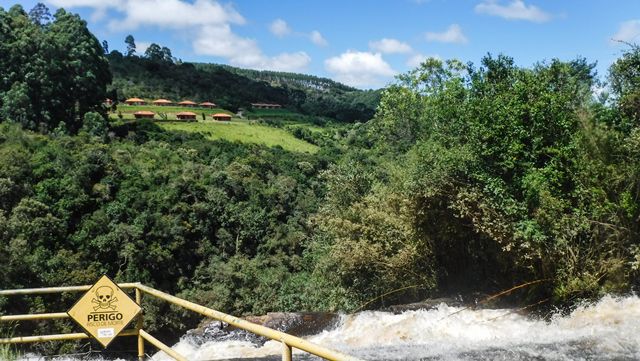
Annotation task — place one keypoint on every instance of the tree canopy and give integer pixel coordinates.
(49, 72)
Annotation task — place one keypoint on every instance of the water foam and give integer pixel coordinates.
(606, 330)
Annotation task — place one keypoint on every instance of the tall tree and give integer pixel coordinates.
(105, 46)
(624, 77)
(131, 45)
(40, 14)
(166, 55)
(49, 73)
(154, 52)
(85, 71)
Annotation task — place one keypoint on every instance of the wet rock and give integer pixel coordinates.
(294, 323)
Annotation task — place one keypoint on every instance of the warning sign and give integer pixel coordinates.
(104, 311)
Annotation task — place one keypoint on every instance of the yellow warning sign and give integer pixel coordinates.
(104, 311)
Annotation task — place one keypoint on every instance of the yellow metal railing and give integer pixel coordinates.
(288, 341)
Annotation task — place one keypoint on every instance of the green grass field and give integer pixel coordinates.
(243, 131)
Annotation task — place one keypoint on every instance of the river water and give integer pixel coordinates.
(605, 330)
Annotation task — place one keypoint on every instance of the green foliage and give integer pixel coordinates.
(94, 124)
(468, 179)
(131, 45)
(625, 84)
(49, 73)
(157, 76)
(507, 174)
(172, 210)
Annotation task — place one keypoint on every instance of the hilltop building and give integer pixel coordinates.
(144, 114)
(187, 103)
(135, 101)
(221, 116)
(208, 105)
(186, 116)
(162, 102)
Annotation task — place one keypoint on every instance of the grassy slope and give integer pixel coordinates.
(236, 130)
(244, 131)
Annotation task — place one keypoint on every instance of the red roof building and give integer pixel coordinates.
(162, 102)
(187, 103)
(144, 114)
(221, 116)
(135, 101)
(186, 116)
(207, 105)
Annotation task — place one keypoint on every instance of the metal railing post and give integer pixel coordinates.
(286, 352)
(139, 325)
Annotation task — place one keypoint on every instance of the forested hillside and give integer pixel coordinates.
(157, 75)
(468, 179)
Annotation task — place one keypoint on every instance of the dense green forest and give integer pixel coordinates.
(156, 74)
(467, 179)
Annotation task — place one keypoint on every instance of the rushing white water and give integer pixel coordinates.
(606, 330)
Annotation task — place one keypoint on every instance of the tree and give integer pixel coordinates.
(131, 45)
(49, 73)
(95, 124)
(166, 55)
(40, 14)
(105, 46)
(154, 52)
(84, 74)
(624, 76)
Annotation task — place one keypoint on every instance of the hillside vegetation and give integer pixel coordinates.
(469, 179)
(154, 76)
(266, 127)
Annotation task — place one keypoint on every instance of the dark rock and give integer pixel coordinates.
(297, 324)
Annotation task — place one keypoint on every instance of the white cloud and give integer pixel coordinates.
(175, 14)
(361, 69)
(390, 46)
(141, 47)
(415, 60)
(297, 61)
(317, 38)
(453, 34)
(208, 22)
(279, 28)
(222, 42)
(628, 32)
(515, 10)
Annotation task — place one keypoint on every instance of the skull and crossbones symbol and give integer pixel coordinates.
(104, 298)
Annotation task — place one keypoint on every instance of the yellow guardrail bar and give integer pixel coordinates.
(288, 341)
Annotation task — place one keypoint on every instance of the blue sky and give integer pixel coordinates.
(359, 42)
